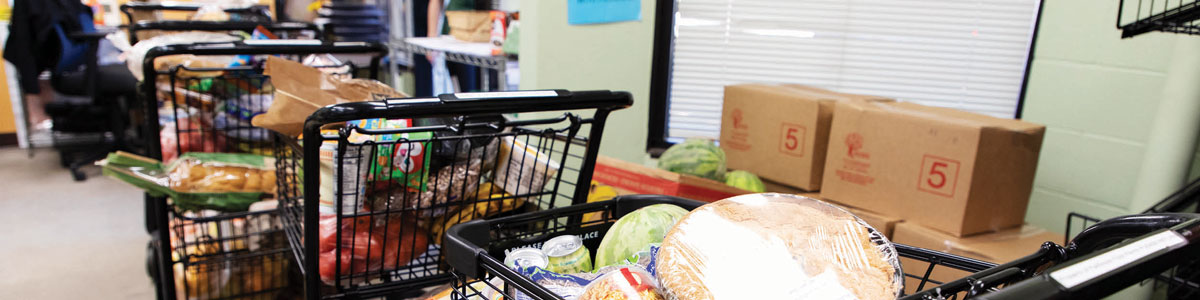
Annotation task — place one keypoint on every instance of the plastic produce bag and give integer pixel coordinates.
(137, 54)
(776, 246)
(367, 247)
(219, 181)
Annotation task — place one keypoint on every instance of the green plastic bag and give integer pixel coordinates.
(229, 194)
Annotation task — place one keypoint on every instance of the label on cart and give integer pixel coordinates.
(1099, 265)
(520, 94)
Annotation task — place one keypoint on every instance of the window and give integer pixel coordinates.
(969, 55)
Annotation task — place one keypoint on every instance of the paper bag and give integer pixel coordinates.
(300, 90)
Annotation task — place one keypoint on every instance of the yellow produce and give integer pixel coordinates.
(598, 192)
(479, 210)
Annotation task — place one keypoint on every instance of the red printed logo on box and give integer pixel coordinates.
(791, 139)
(740, 139)
(939, 175)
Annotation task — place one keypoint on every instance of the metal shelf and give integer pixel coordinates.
(1179, 16)
(493, 62)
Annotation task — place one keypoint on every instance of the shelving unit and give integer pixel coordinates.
(475, 54)
(1179, 16)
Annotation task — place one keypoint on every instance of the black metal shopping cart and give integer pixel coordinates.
(145, 21)
(223, 255)
(1110, 256)
(365, 204)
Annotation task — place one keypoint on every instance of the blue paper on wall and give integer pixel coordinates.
(603, 11)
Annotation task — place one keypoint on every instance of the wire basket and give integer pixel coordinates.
(226, 256)
(1142, 16)
(208, 254)
(476, 248)
(365, 205)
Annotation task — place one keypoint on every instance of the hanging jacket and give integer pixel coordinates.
(32, 45)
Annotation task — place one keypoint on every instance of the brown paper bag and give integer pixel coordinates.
(300, 90)
(470, 25)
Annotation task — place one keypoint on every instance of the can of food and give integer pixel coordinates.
(345, 185)
(567, 255)
(527, 257)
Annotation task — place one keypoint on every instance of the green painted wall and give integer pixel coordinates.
(604, 56)
(1120, 113)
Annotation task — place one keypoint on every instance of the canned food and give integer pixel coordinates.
(527, 257)
(345, 185)
(567, 255)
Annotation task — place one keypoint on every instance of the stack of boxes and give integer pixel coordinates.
(929, 177)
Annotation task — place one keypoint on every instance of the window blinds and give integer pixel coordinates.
(969, 55)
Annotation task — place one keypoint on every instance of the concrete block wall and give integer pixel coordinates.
(1103, 100)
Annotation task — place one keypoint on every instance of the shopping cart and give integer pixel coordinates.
(149, 19)
(284, 30)
(218, 255)
(474, 248)
(365, 217)
(1182, 282)
(156, 11)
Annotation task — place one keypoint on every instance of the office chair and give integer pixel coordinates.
(77, 73)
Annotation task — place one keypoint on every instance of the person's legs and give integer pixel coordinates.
(35, 105)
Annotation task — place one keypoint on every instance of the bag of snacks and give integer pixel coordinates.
(195, 181)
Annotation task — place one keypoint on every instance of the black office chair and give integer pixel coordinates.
(102, 118)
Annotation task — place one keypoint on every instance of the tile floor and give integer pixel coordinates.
(61, 239)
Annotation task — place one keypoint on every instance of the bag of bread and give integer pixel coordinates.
(220, 181)
(776, 246)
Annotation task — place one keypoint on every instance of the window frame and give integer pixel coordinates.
(661, 63)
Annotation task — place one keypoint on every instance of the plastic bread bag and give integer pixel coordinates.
(776, 246)
(136, 54)
(220, 181)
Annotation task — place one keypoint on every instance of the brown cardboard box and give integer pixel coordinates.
(778, 132)
(955, 171)
(996, 247)
(885, 224)
(631, 178)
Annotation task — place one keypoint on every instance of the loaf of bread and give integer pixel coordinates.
(776, 246)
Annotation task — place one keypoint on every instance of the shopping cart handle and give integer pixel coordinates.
(1103, 272)
(1113, 231)
(470, 104)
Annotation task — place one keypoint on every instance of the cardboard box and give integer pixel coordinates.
(955, 171)
(885, 224)
(631, 178)
(778, 132)
(996, 247)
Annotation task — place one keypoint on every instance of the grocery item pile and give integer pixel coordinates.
(755, 246)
